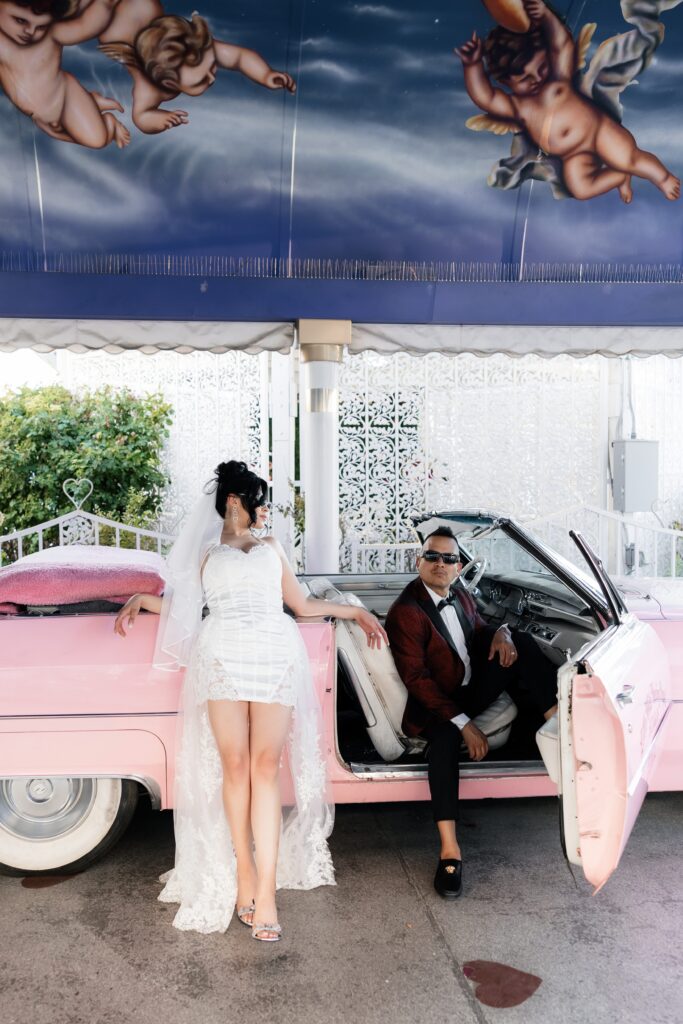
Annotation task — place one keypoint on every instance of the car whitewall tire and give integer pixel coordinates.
(60, 824)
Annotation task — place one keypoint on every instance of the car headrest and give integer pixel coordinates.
(321, 588)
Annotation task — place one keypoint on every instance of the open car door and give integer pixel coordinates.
(613, 698)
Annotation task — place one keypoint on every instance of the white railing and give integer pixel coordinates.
(80, 527)
(626, 546)
(367, 556)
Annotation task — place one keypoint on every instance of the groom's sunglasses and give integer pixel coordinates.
(436, 556)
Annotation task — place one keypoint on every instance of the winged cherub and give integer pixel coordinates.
(33, 34)
(167, 55)
(575, 137)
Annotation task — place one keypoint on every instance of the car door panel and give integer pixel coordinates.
(613, 705)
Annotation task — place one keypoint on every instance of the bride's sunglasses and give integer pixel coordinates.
(436, 556)
(267, 505)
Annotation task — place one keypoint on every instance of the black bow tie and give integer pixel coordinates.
(444, 602)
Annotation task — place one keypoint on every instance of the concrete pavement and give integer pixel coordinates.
(379, 947)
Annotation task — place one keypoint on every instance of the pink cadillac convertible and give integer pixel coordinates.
(87, 725)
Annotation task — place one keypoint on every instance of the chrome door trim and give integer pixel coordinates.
(410, 772)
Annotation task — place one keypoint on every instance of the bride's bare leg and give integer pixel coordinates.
(230, 724)
(269, 725)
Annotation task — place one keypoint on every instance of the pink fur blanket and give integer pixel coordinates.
(75, 573)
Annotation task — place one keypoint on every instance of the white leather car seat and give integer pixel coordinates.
(382, 693)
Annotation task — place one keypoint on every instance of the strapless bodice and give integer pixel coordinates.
(243, 584)
(246, 647)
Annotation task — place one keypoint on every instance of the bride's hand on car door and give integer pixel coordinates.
(372, 627)
(128, 614)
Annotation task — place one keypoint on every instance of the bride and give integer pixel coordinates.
(247, 692)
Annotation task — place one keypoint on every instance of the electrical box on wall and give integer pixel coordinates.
(636, 474)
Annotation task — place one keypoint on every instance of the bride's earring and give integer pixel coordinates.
(234, 514)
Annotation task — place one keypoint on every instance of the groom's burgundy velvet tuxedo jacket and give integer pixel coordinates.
(425, 655)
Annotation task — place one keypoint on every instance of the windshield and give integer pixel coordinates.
(502, 553)
(507, 556)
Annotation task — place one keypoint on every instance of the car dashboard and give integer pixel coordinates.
(541, 606)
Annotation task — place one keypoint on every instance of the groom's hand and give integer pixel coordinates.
(503, 646)
(475, 741)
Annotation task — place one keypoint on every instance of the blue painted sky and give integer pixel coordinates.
(370, 160)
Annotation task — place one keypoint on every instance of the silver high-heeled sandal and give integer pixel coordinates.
(256, 928)
(243, 911)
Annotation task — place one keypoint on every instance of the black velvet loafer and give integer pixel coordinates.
(448, 879)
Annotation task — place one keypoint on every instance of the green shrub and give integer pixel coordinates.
(112, 437)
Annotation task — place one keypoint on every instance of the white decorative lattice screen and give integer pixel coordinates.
(525, 436)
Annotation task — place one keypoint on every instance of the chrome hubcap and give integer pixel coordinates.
(44, 808)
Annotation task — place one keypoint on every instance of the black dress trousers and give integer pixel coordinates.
(530, 680)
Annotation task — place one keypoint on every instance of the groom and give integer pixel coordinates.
(454, 666)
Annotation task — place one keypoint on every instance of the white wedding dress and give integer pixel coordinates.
(249, 649)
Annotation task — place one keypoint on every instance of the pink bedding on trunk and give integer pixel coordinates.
(68, 575)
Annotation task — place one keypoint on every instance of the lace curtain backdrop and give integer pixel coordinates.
(220, 407)
(524, 436)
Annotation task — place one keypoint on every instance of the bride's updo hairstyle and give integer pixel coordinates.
(236, 478)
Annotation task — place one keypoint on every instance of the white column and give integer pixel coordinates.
(264, 410)
(282, 410)
(321, 347)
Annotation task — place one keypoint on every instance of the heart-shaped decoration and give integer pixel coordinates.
(499, 985)
(77, 490)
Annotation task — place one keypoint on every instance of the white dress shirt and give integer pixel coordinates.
(450, 617)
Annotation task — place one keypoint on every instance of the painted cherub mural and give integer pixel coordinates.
(167, 55)
(33, 34)
(566, 125)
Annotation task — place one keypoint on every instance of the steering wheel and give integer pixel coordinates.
(474, 563)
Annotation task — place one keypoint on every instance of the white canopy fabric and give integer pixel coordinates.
(147, 336)
(486, 340)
